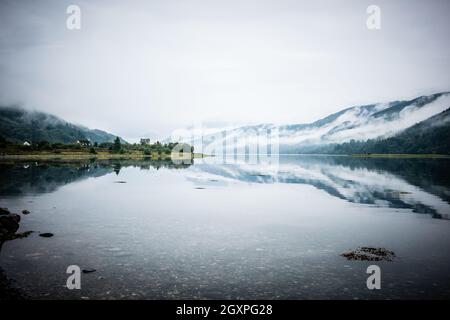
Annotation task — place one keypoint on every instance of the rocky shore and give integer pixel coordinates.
(9, 224)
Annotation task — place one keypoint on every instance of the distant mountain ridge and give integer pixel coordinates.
(359, 123)
(19, 125)
(408, 126)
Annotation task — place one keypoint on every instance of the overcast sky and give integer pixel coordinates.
(141, 67)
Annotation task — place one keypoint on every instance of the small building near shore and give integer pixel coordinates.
(84, 142)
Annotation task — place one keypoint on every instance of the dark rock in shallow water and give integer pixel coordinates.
(46, 234)
(21, 235)
(369, 254)
(9, 222)
(5, 236)
(15, 217)
(89, 270)
(26, 212)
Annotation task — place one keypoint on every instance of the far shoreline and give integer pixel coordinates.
(136, 155)
(75, 156)
(401, 155)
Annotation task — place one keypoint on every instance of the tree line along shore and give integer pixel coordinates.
(84, 149)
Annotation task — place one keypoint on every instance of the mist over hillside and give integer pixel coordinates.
(19, 125)
(420, 125)
(429, 136)
(376, 121)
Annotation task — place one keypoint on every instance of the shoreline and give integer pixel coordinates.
(104, 155)
(401, 155)
(75, 156)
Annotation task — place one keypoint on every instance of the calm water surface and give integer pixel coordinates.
(156, 230)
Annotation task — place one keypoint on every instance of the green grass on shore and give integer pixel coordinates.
(101, 155)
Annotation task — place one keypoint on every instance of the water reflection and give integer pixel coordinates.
(422, 185)
(224, 231)
(26, 178)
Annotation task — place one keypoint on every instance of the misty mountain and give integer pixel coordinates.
(358, 123)
(19, 125)
(429, 136)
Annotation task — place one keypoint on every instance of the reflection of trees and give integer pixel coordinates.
(33, 177)
(148, 163)
(117, 167)
(20, 178)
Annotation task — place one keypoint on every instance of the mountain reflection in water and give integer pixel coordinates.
(422, 185)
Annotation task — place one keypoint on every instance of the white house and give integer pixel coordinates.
(26, 144)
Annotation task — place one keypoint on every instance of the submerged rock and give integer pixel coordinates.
(89, 270)
(21, 235)
(46, 234)
(12, 236)
(26, 212)
(369, 254)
